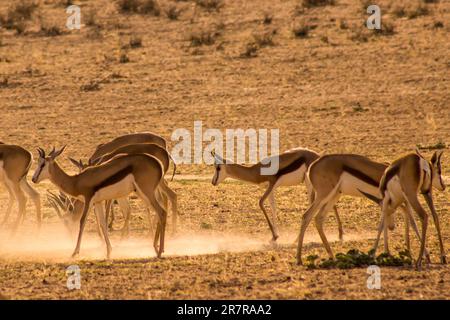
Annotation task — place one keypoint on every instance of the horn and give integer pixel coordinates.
(41, 152)
(213, 153)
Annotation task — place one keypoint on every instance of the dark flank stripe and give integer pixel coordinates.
(370, 197)
(295, 165)
(390, 173)
(118, 176)
(361, 176)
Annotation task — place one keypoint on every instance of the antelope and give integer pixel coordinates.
(113, 179)
(15, 162)
(334, 175)
(151, 149)
(133, 138)
(293, 165)
(142, 137)
(401, 182)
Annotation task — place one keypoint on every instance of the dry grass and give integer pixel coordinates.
(380, 98)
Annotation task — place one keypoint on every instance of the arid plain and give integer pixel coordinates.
(316, 73)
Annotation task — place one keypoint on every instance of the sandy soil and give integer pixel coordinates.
(331, 92)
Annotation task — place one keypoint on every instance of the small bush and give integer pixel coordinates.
(210, 5)
(150, 7)
(251, 50)
(51, 30)
(302, 28)
(91, 18)
(124, 58)
(267, 18)
(139, 6)
(173, 13)
(317, 3)
(417, 10)
(18, 14)
(203, 37)
(129, 6)
(135, 42)
(265, 38)
(387, 28)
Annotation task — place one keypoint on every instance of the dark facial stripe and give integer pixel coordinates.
(391, 172)
(118, 176)
(361, 176)
(370, 197)
(295, 165)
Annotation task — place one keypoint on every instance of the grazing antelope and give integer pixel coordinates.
(15, 162)
(293, 165)
(401, 182)
(142, 137)
(113, 179)
(334, 175)
(151, 149)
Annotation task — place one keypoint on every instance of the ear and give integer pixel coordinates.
(213, 153)
(434, 158)
(418, 152)
(75, 163)
(57, 153)
(440, 155)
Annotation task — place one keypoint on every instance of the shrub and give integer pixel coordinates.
(317, 3)
(210, 5)
(203, 37)
(251, 50)
(18, 14)
(265, 38)
(173, 13)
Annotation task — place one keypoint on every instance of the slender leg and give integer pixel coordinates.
(108, 208)
(429, 199)
(126, 211)
(22, 201)
(319, 219)
(173, 198)
(87, 204)
(10, 202)
(151, 223)
(318, 203)
(380, 229)
(99, 210)
(261, 205)
(35, 197)
(407, 220)
(338, 219)
(411, 197)
(273, 208)
(416, 231)
(112, 213)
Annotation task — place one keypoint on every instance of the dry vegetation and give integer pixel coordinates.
(309, 68)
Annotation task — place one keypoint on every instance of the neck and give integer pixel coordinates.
(61, 179)
(250, 174)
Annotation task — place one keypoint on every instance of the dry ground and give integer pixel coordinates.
(340, 89)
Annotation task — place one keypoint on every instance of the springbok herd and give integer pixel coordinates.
(138, 163)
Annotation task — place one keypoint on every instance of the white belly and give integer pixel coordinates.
(118, 190)
(349, 185)
(292, 178)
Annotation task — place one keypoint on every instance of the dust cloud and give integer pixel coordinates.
(54, 244)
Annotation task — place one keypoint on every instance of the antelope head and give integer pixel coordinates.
(44, 163)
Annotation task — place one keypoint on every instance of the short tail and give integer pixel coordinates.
(174, 166)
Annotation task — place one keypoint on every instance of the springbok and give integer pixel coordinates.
(293, 165)
(15, 162)
(151, 149)
(334, 175)
(113, 179)
(132, 138)
(120, 141)
(401, 182)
